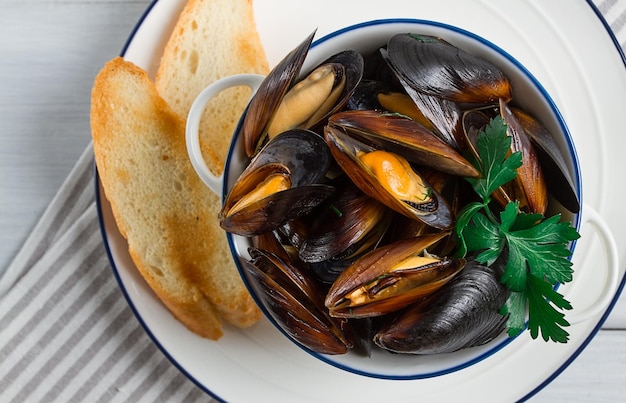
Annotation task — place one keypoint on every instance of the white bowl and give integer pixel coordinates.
(527, 93)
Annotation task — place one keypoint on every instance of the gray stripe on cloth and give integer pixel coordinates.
(58, 216)
(195, 395)
(48, 338)
(79, 239)
(180, 385)
(85, 231)
(128, 340)
(113, 314)
(158, 376)
(605, 6)
(134, 367)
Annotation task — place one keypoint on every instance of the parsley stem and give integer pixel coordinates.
(336, 210)
(489, 211)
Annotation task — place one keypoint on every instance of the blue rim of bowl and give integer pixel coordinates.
(329, 359)
(180, 366)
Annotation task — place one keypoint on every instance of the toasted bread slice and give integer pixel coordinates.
(161, 207)
(212, 39)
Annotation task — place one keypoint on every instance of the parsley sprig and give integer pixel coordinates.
(537, 257)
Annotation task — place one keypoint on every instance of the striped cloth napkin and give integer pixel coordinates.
(66, 331)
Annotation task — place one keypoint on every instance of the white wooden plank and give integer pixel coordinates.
(51, 51)
(597, 375)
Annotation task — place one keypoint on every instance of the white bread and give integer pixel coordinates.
(160, 205)
(212, 39)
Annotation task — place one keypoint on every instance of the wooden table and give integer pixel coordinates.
(50, 52)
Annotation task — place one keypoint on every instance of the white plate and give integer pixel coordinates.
(574, 57)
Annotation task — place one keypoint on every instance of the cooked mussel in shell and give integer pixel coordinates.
(403, 136)
(436, 68)
(543, 169)
(284, 101)
(281, 183)
(347, 223)
(558, 181)
(440, 77)
(390, 278)
(294, 301)
(265, 102)
(529, 186)
(389, 178)
(466, 313)
(373, 95)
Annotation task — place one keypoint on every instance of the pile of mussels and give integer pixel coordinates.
(350, 197)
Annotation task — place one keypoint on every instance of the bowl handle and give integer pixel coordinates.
(214, 182)
(592, 217)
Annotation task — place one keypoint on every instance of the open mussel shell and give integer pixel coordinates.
(544, 152)
(381, 96)
(298, 159)
(443, 115)
(557, 177)
(286, 101)
(320, 93)
(294, 302)
(463, 314)
(402, 188)
(405, 137)
(434, 67)
(348, 222)
(352, 64)
(270, 94)
(390, 277)
(474, 121)
(529, 185)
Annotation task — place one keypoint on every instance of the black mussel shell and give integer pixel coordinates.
(465, 313)
(434, 67)
(270, 94)
(558, 180)
(405, 137)
(300, 155)
(293, 301)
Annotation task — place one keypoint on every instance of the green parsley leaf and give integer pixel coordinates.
(515, 307)
(462, 219)
(484, 235)
(537, 253)
(508, 216)
(543, 250)
(493, 146)
(542, 315)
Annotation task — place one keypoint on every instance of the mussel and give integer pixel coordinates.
(544, 171)
(281, 182)
(403, 136)
(346, 224)
(390, 278)
(529, 187)
(374, 95)
(439, 77)
(270, 94)
(294, 301)
(557, 177)
(284, 101)
(436, 68)
(389, 178)
(466, 313)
